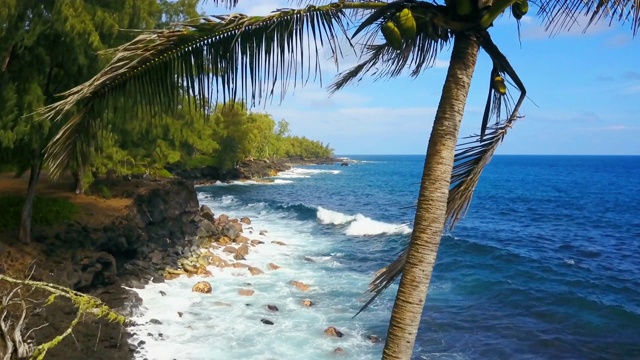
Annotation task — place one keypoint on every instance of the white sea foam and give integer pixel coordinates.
(233, 330)
(294, 173)
(333, 217)
(366, 226)
(360, 225)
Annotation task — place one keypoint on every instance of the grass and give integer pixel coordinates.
(46, 211)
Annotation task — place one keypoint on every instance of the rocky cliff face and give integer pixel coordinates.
(160, 219)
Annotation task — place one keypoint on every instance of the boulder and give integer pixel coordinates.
(238, 257)
(206, 228)
(307, 303)
(156, 257)
(223, 219)
(246, 292)
(273, 266)
(256, 242)
(332, 331)
(243, 250)
(217, 261)
(230, 250)
(232, 230)
(299, 285)
(224, 241)
(241, 240)
(279, 243)
(266, 321)
(239, 265)
(272, 308)
(206, 213)
(245, 220)
(255, 271)
(169, 276)
(202, 287)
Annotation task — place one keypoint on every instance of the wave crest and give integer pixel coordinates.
(360, 225)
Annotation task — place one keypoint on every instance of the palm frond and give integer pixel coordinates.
(219, 58)
(470, 160)
(560, 15)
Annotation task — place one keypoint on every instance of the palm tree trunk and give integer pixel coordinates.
(432, 201)
(27, 209)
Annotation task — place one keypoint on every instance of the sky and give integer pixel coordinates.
(583, 90)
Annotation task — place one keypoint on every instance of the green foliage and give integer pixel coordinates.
(46, 211)
(104, 192)
(87, 179)
(200, 161)
(162, 174)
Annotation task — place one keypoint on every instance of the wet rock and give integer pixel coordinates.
(245, 220)
(162, 293)
(231, 230)
(202, 287)
(338, 350)
(307, 303)
(206, 213)
(238, 257)
(243, 250)
(239, 265)
(266, 321)
(308, 259)
(220, 303)
(299, 285)
(223, 219)
(263, 232)
(180, 313)
(241, 240)
(155, 322)
(273, 266)
(169, 276)
(374, 339)
(246, 292)
(255, 271)
(332, 331)
(230, 250)
(279, 243)
(272, 308)
(256, 242)
(206, 228)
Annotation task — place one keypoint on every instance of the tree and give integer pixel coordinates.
(49, 46)
(246, 55)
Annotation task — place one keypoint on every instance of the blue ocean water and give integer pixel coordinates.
(545, 265)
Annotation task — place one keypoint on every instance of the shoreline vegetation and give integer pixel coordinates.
(124, 233)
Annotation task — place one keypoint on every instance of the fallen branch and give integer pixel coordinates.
(12, 332)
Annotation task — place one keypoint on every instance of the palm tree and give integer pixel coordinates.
(238, 56)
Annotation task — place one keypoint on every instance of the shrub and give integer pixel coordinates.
(46, 211)
(104, 192)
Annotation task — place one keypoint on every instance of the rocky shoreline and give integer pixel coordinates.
(164, 234)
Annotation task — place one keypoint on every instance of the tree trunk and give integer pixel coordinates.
(432, 201)
(27, 209)
(77, 179)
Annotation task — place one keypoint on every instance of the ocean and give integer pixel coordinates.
(546, 265)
